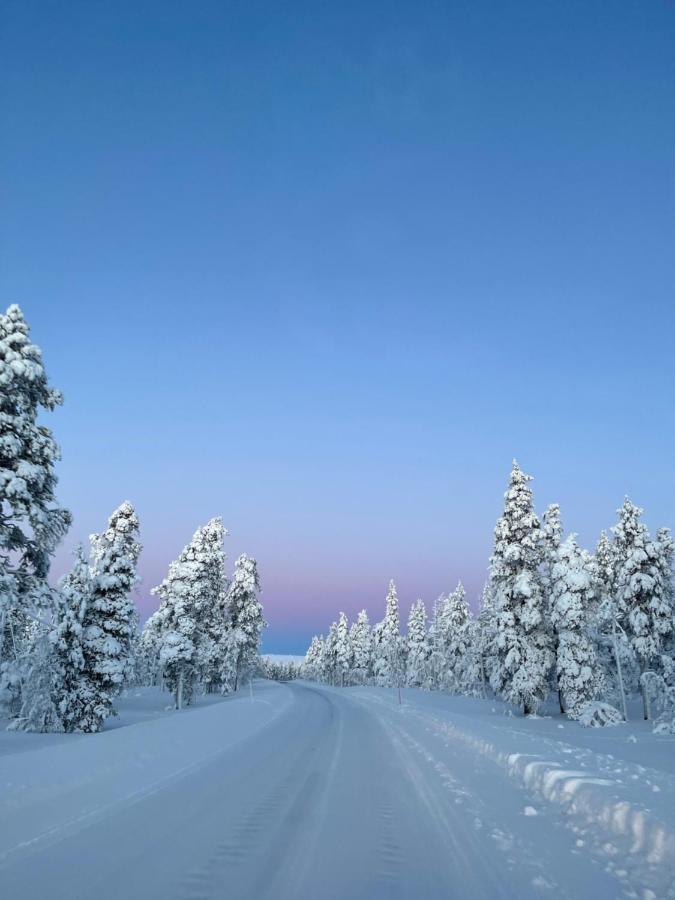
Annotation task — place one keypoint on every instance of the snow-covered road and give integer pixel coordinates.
(307, 792)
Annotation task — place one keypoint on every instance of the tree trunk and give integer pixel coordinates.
(617, 659)
(646, 705)
(179, 691)
(560, 701)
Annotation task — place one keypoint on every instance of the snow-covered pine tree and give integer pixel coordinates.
(523, 643)
(32, 523)
(40, 683)
(456, 619)
(389, 665)
(641, 591)
(362, 646)
(344, 652)
(246, 618)
(417, 662)
(212, 607)
(573, 597)
(150, 646)
(551, 535)
(74, 693)
(485, 637)
(187, 625)
(311, 664)
(438, 641)
(329, 657)
(614, 653)
(110, 616)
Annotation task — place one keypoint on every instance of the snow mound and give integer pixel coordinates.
(595, 714)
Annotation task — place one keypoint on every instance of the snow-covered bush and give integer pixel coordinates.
(596, 714)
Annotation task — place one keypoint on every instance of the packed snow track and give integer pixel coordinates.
(299, 792)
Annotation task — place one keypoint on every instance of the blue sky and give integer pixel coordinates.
(324, 269)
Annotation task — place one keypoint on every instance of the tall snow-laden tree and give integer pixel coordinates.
(110, 618)
(75, 695)
(344, 653)
(31, 521)
(190, 624)
(329, 657)
(485, 637)
(212, 586)
(615, 656)
(458, 650)
(246, 618)
(573, 599)
(551, 535)
(362, 646)
(417, 661)
(642, 592)
(312, 663)
(40, 684)
(439, 639)
(388, 666)
(523, 644)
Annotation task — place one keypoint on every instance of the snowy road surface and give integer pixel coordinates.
(309, 792)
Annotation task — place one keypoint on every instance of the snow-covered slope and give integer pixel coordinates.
(306, 791)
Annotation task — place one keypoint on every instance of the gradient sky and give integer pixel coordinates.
(325, 268)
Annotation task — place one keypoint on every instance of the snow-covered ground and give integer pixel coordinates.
(303, 791)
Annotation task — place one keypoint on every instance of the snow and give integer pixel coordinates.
(303, 790)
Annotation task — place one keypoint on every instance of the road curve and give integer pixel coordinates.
(336, 798)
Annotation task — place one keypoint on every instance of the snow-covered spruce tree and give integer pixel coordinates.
(110, 618)
(311, 664)
(74, 695)
(40, 684)
(642, 592)
(389, 664)
(523, 644)
(150, 643)
(485, 637)
(362, 647)
(573, 598)
(344, 653)
(362, 644)
(246, 618)
(186, 627)
(614, 653)
(551, 537)
(663, 684)
(439, 638)
(458, 651)
(417, 661)
(31, 522)
(329, 656)
(215, 635)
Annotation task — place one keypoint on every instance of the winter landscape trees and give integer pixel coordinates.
(552, 617)
(67, 652)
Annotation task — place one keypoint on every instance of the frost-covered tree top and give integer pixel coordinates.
(391, 624)
(111, 615)
(641, 583)
(32, 523)
(193, 584)
(574, 586)
(517, 532)
(552, 526)
(523, 658)
(344, 653)
(574, 595)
